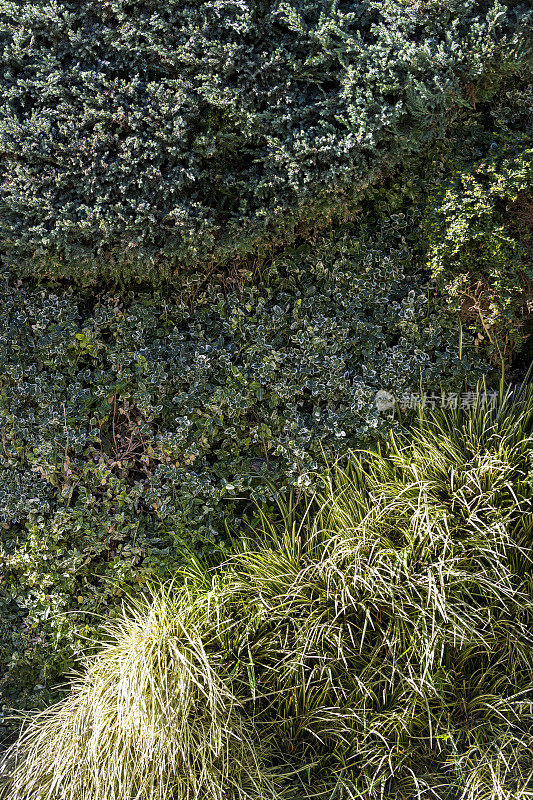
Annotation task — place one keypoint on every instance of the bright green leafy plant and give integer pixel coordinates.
(480, 242)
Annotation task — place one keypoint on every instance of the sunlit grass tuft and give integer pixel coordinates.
(148, 719)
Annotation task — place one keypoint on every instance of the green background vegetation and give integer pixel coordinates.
(224, 226)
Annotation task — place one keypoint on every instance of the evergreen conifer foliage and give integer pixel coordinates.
(139, 137)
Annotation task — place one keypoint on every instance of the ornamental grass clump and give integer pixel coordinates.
(395, 641)
(148, 719)
(378, 636)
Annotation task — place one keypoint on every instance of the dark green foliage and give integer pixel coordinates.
(138, 137)
(133, 427)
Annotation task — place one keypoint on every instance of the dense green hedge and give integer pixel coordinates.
(132, 427)
(139, 136)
